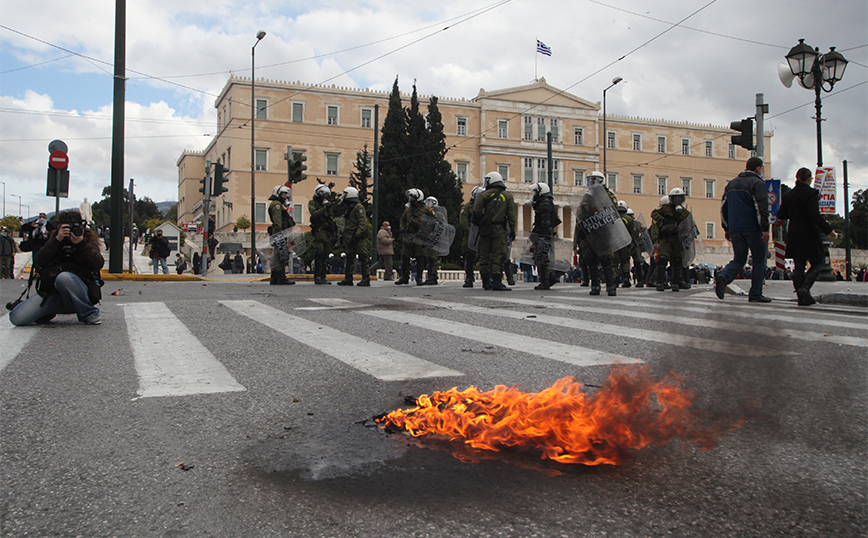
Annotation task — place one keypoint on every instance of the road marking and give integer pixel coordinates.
(575, 355)
(813, 317)
(371, 358)
(704, 344)
(14, 339)
(331, 303)
(701, 323)
(169, 360)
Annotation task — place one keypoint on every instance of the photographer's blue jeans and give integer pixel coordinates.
(161, 262)
(71, 298)
(741, 243)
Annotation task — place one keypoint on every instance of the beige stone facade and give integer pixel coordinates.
(503, 130)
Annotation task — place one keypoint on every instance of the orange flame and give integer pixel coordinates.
(562, 423)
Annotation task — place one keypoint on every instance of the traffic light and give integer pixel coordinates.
(220, 180)
(206, 186)
(297, 168)
(745, 127)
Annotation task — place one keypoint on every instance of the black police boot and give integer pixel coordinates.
(366, 275)
(432, 272)
(323, 270)
(405, 272)
(510, 278)
(595, 288)
(318, 265)
(468, 271)
(676, 275)
(421, 265)
(486, 281)
(544, 279)
(594, 277)
(661, 273)
(348, 273)
(497, 284)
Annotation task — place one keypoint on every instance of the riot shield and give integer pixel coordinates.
(642, 239)
(435, 234)
(599, 220)
(282, 244)
(542, 250)
(687, 234)
(473, 233)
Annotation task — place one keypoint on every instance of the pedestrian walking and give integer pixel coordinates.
(385, 251)
(801, 207)
(8, 248)
(744, 215)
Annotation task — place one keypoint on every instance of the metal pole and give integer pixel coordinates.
(605, 134)
(117, 179)
(761, 109)
(131, 226)
(375, 210)
(259, 37)
(849, 267)
(4, 197)
(549, 156)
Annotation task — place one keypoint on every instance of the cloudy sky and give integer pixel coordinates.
(699, 61)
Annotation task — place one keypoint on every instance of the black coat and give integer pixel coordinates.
(801, 206)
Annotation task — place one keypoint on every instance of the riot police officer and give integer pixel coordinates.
(545, 221)
(621, 258)
(409, 225)
(664, 233)
(356, 237)
(586, 211)
(280, 220)
(464, 225)
(495, 216)
(323, 230)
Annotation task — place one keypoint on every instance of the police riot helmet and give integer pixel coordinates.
(630, 211)
(474, 193)
(350, 193)
(664, 200)
(622, 206)
(677, 196)
(431, 201)
(280, 190)
(596, 178)
(415, 195)
(539, 189)
(322, 191)
(492, 179)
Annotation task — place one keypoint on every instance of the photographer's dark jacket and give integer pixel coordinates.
(83, 259)
(160, 247)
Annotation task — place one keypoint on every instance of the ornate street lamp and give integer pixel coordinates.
(817, 72)
(259, 37)
(605, 133)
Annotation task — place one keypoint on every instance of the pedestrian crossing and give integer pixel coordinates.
(580, 330)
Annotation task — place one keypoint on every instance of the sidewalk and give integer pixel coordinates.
(829, 293)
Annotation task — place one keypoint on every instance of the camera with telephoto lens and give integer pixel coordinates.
(76, 228)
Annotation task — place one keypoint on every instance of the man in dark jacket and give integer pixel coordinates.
(544, 222)
(160, 252)
(801, 206)
(744, 215)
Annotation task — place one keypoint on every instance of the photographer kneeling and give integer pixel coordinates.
(68, 280)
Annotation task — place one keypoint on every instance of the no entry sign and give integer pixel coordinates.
(58, 159)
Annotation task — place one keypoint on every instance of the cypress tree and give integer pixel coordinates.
(392, 160)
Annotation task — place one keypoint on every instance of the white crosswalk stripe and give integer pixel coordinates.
(788, 332)
(188, 369)
(605, 328)
(569, 354)
(14, 339)
(374, 359)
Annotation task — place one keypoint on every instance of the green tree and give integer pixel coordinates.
(12, 223)
(361, 178)
(243, 222)
(442, 181)
(859, 220)
(143, 209)
(392, 160)
(171, 214)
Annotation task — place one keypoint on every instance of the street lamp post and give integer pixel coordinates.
(815, 72)
(28, 211)
(19, 203)
(4, 197)
(259, 37)
(605, 133)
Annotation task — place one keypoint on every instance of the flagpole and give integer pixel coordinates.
(535, 60)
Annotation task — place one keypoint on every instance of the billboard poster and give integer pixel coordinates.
(824, 181)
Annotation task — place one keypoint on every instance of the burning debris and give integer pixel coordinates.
(562, 423)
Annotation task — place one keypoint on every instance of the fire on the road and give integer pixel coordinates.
(563, 423)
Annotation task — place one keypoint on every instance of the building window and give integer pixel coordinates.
(661, 186)
(331, 115)
(540, 129)
(612, 181)
(685, 185)
(731, 151)
(261, 109)
(709, 230)
(503, 170)
(297, 213)
(556, 172)
(298, 112)
(462, 126)
(331, 164)
(685, 146)
(610, 139)
(461, 172)
(528, 128)
(661, 144)
(578, 136)
(709, 148)
(555, 131)
(528, 169)
(637, 184)
(260, 213)
(501, 128)
(578, 178)
(709, 188)
(367, 113)
(261, 160)
(541, 175)
(637, 142)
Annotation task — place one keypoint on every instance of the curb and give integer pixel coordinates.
(844, 299)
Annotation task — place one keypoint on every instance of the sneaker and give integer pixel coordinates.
(93, 320)
(719, 287)
(760, 299)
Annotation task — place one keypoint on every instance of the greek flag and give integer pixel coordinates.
(542, 48)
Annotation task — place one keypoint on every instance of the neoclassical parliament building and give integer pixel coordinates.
(503, 130)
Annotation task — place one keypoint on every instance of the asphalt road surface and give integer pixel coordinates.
(243, 410)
